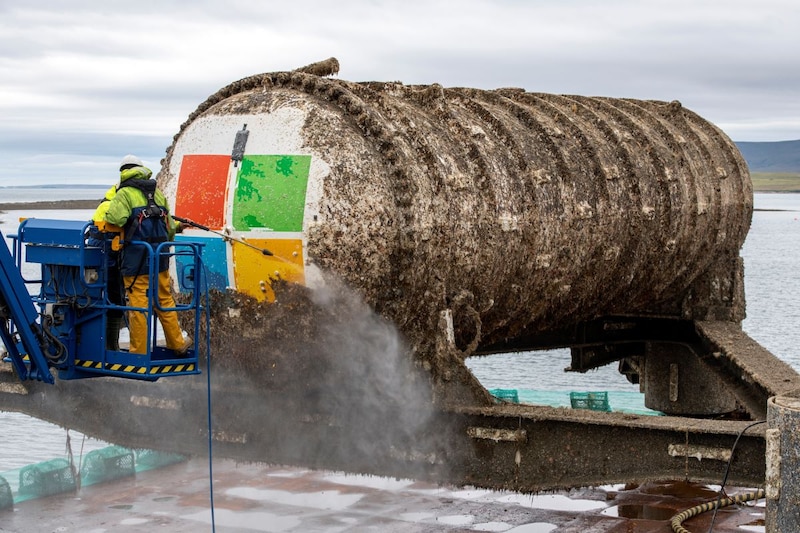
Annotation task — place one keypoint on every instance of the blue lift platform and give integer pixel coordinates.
(62, 326)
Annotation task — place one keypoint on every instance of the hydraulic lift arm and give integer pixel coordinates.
(19, 329)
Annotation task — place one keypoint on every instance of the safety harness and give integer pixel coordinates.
(147, 223)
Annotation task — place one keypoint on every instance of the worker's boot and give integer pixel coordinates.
(113, 325)
(185, 347)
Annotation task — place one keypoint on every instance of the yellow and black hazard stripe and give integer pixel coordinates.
(168, 369)
(133, 369)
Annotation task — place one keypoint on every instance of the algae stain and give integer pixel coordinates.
(247, 190)
(285, 167)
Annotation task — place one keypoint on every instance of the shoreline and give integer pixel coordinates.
(49, 205)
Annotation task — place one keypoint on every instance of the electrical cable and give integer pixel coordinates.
(677, 520)
(207, 313)
(728, 469)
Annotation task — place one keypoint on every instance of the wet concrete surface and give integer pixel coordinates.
(249, 497)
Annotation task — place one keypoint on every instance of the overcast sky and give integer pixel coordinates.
(82, 82)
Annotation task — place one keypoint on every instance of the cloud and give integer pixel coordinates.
(135, 70)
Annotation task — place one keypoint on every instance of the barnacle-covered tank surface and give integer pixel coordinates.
(474, 215)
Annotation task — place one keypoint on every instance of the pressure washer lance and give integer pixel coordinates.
(224, 236)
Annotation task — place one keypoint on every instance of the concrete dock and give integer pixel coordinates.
(261, 498)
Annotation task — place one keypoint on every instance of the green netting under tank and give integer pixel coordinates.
(6, 496)
(106, 464)
(46, 478)
(112, 462)
(149, 459)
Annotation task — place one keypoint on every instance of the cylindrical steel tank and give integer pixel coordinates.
(501, 210)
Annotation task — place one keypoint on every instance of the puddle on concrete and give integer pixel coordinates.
(492, 526)
(456, 519)
(471, 494)
(553, 502)
(537, 527)
(326, 500)
(255, 521)
(288, 473)
(680, 490)
(373, 482)
(416, 517)
(640, 512)
(121, 506)
(133, 521)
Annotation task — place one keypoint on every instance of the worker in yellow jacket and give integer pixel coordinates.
(140, 209)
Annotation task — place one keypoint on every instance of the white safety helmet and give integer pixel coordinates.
(130, 161)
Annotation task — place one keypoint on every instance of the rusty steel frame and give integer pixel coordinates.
(519, 447)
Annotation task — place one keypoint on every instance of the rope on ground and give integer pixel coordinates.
(679, 518)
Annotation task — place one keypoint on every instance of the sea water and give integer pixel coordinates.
(772, 281)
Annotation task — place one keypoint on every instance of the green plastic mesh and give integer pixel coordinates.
(46, 478)
(149, 459)
(6, 496)
(595, 401)
(112, 462)
(506, 395)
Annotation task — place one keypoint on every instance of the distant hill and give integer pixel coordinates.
(780, 156)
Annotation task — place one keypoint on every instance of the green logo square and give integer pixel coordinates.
(271, 192)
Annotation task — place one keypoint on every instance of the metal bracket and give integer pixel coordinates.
(239, 144)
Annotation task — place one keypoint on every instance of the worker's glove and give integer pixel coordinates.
(178, 227)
